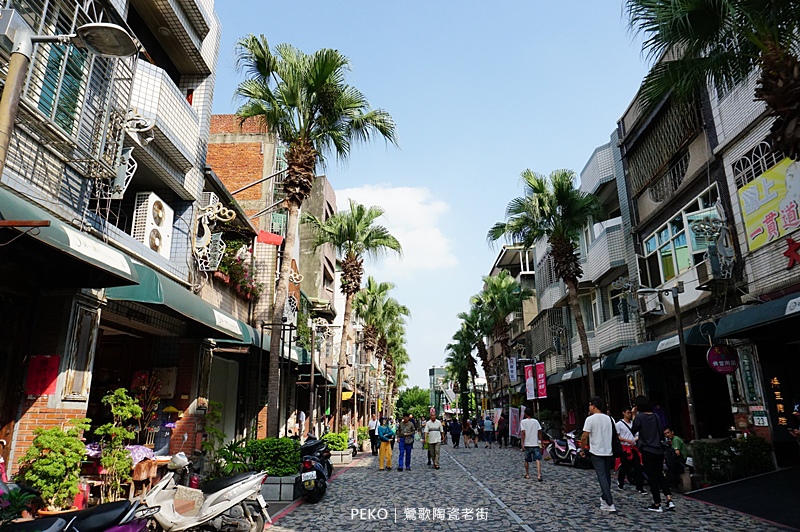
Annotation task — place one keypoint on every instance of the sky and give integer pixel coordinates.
(479, 91)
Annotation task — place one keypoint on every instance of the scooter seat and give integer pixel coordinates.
(99, 518)
(213, 486)
(310, 448)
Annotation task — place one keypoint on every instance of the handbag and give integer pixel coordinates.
(616, 445)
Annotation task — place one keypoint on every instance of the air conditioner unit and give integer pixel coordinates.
(651, 305)
(152, 223)
(709, 272)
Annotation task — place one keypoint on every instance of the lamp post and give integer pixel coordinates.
(687, 382)
(100, 38)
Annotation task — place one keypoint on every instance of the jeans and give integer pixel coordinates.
(385, 455)
(654, 467)
(603, 466)
(405, 454)
(488, 436)
(373, 442)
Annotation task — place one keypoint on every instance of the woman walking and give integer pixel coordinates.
(468, 432)
(648, 427)
(385, 435)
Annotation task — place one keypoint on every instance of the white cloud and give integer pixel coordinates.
(412, 216)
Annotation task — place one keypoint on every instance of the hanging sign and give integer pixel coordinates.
(513, 418)
(723, 359)
(42, 375)
(530, 382)
(541, 381)
(512, 369)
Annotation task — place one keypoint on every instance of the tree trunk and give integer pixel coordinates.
(348, 312)
(275, 347)
(574, 304)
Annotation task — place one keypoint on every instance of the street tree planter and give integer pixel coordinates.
(341, 457)
(281, 488)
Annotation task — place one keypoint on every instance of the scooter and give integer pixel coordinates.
(315, 469)
(353, 445)
(564, 450)
(319, 450)
(230, 504)
(117, 516)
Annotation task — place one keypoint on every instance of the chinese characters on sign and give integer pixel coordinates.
(530, 384)
(446, 514)
(723, 359)
(780, 406)
(791, 252)
(541, 381)
(770, 204)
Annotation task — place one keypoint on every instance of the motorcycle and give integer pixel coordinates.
(230, 504)
(353, 445)
(118, 516)
(315, 469)
(564, 450)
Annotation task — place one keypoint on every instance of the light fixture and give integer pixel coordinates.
(106, 40)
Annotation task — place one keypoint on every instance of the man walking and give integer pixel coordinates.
(598, 430)
(502, 431)
(385, 435)
(433, 437)
(488, 432)
(631, 462)
(373, 435)
(531, 442)
(405, 434)
(455, 432)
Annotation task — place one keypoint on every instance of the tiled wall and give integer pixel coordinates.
(736, 110)
(598, 170)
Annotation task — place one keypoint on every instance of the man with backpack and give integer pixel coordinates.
(631, 461)
(598, 434)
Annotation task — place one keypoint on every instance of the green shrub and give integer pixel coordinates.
(363, 434)
(53, 463)
(336, 442)
(731, 459)
(279, 457)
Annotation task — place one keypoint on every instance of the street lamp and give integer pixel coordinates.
(100, 38)
(675, 291)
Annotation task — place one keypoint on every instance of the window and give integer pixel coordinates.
(81, 353)
(618, 302)
(589, 310)
(670, 251)
(754, 163)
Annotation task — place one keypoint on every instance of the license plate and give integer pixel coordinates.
(311, 475)
(262, 502)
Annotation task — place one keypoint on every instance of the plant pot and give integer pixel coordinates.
(224, 277)
(280, 488)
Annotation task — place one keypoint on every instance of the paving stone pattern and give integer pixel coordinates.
(486, 486)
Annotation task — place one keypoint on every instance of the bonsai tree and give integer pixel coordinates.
(52, 464)
(116, 459)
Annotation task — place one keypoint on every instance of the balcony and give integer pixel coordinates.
(553, 295)
(575, 345)
(180, 26)
(613, 334)
(599, 170)
(606, 252)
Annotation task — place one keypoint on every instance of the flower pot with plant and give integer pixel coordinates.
(52, 464)
(116, 460)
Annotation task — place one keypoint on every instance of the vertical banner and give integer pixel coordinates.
(530, 384)
(513, 418)
(512, 369)
(541, 381)
(497, 413)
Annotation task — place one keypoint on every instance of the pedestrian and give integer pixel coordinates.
(393, 426)
(373, 435)
(405, 434)
(677, 444)
(649, 429)
(502, 431)
(466, 431)
(385, 435)
(631, 463)
(455, 432)
(598, 429)
(488, 432)
(477, 426)
(674, 457)
(433, 437)
(531, 442)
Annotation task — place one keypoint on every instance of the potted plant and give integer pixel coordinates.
(116, 460)
(337, 443)
(363, 439)
(280, 458)
(146, 387)
(52, 464)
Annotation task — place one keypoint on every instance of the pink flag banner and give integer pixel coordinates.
(513, 422)
(530, 382)
(541, 381)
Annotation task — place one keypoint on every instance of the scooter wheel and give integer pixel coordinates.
(313, 497)
(573, 459)
(355, 452)
(329, 469)
(258, 526)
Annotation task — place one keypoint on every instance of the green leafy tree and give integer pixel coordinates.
(460, 366)
(52, 463)
(354, 234)
(722, 41)
(116, 459)
(304, 100)
(555, 209)
(415, 400)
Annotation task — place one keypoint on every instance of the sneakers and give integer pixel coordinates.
(620, 487)
(388, 469)
(641, 491)
(670, 505)
(654, 508)
(607, 507)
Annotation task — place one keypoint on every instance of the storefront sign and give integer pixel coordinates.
(770, 204)
(780, 406)
(513, 422)
(541, 381)
(512, 369)
(760, 419)
(791, 252)
(530, 382)
(723, 359)
(746, 360)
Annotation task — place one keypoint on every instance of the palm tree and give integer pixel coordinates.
(353, 234)
(554, 208)
(477, 327)
(368, 306)
(460, 366)
(304, 100)
(722, 41)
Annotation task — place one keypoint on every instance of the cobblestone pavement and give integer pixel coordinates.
(485, 489)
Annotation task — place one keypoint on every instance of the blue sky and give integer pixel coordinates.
(480, 91)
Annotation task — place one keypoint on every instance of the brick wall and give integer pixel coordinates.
(237, 165)
(230, 124)
(36, 414)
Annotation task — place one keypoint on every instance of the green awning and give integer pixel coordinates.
(699, 334)
(743, 323)
(609, 363)
(156, 289)
(85, 262)
(252, 337)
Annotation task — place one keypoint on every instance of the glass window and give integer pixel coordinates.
(663, 235)
(588, 313)
(677, 224)
(650, 245)
(617, 301)
(667, 262)
(682, 255)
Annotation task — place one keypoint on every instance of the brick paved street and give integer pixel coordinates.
(490, 481)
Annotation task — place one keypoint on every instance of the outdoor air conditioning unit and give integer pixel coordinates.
(650, 305)
(152, 223)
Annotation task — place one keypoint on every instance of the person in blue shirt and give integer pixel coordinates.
(385, 435)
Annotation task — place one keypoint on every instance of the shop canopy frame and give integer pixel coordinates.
(701, 334)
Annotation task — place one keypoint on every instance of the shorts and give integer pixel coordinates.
(533, 454)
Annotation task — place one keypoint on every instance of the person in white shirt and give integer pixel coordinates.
(598, 430)
(433, 437)
(631, 463)
(373, 437)
(530, 437)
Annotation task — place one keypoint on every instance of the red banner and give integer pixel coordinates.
(541, 381)
(530, 382)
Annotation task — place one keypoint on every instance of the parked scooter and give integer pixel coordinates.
(117, 516)
(564, 450)
(230, 504)
(315, 469)
(352, 444)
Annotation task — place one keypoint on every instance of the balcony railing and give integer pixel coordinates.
(606, 252)
(613, 334)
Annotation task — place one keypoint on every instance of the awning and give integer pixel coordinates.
(743, 323)
(252, 336)
(156, 289)
(609, 363)
(346, 396)
(86, 261)
(696, 335)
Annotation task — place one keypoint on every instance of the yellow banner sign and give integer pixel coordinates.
(770, 204)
